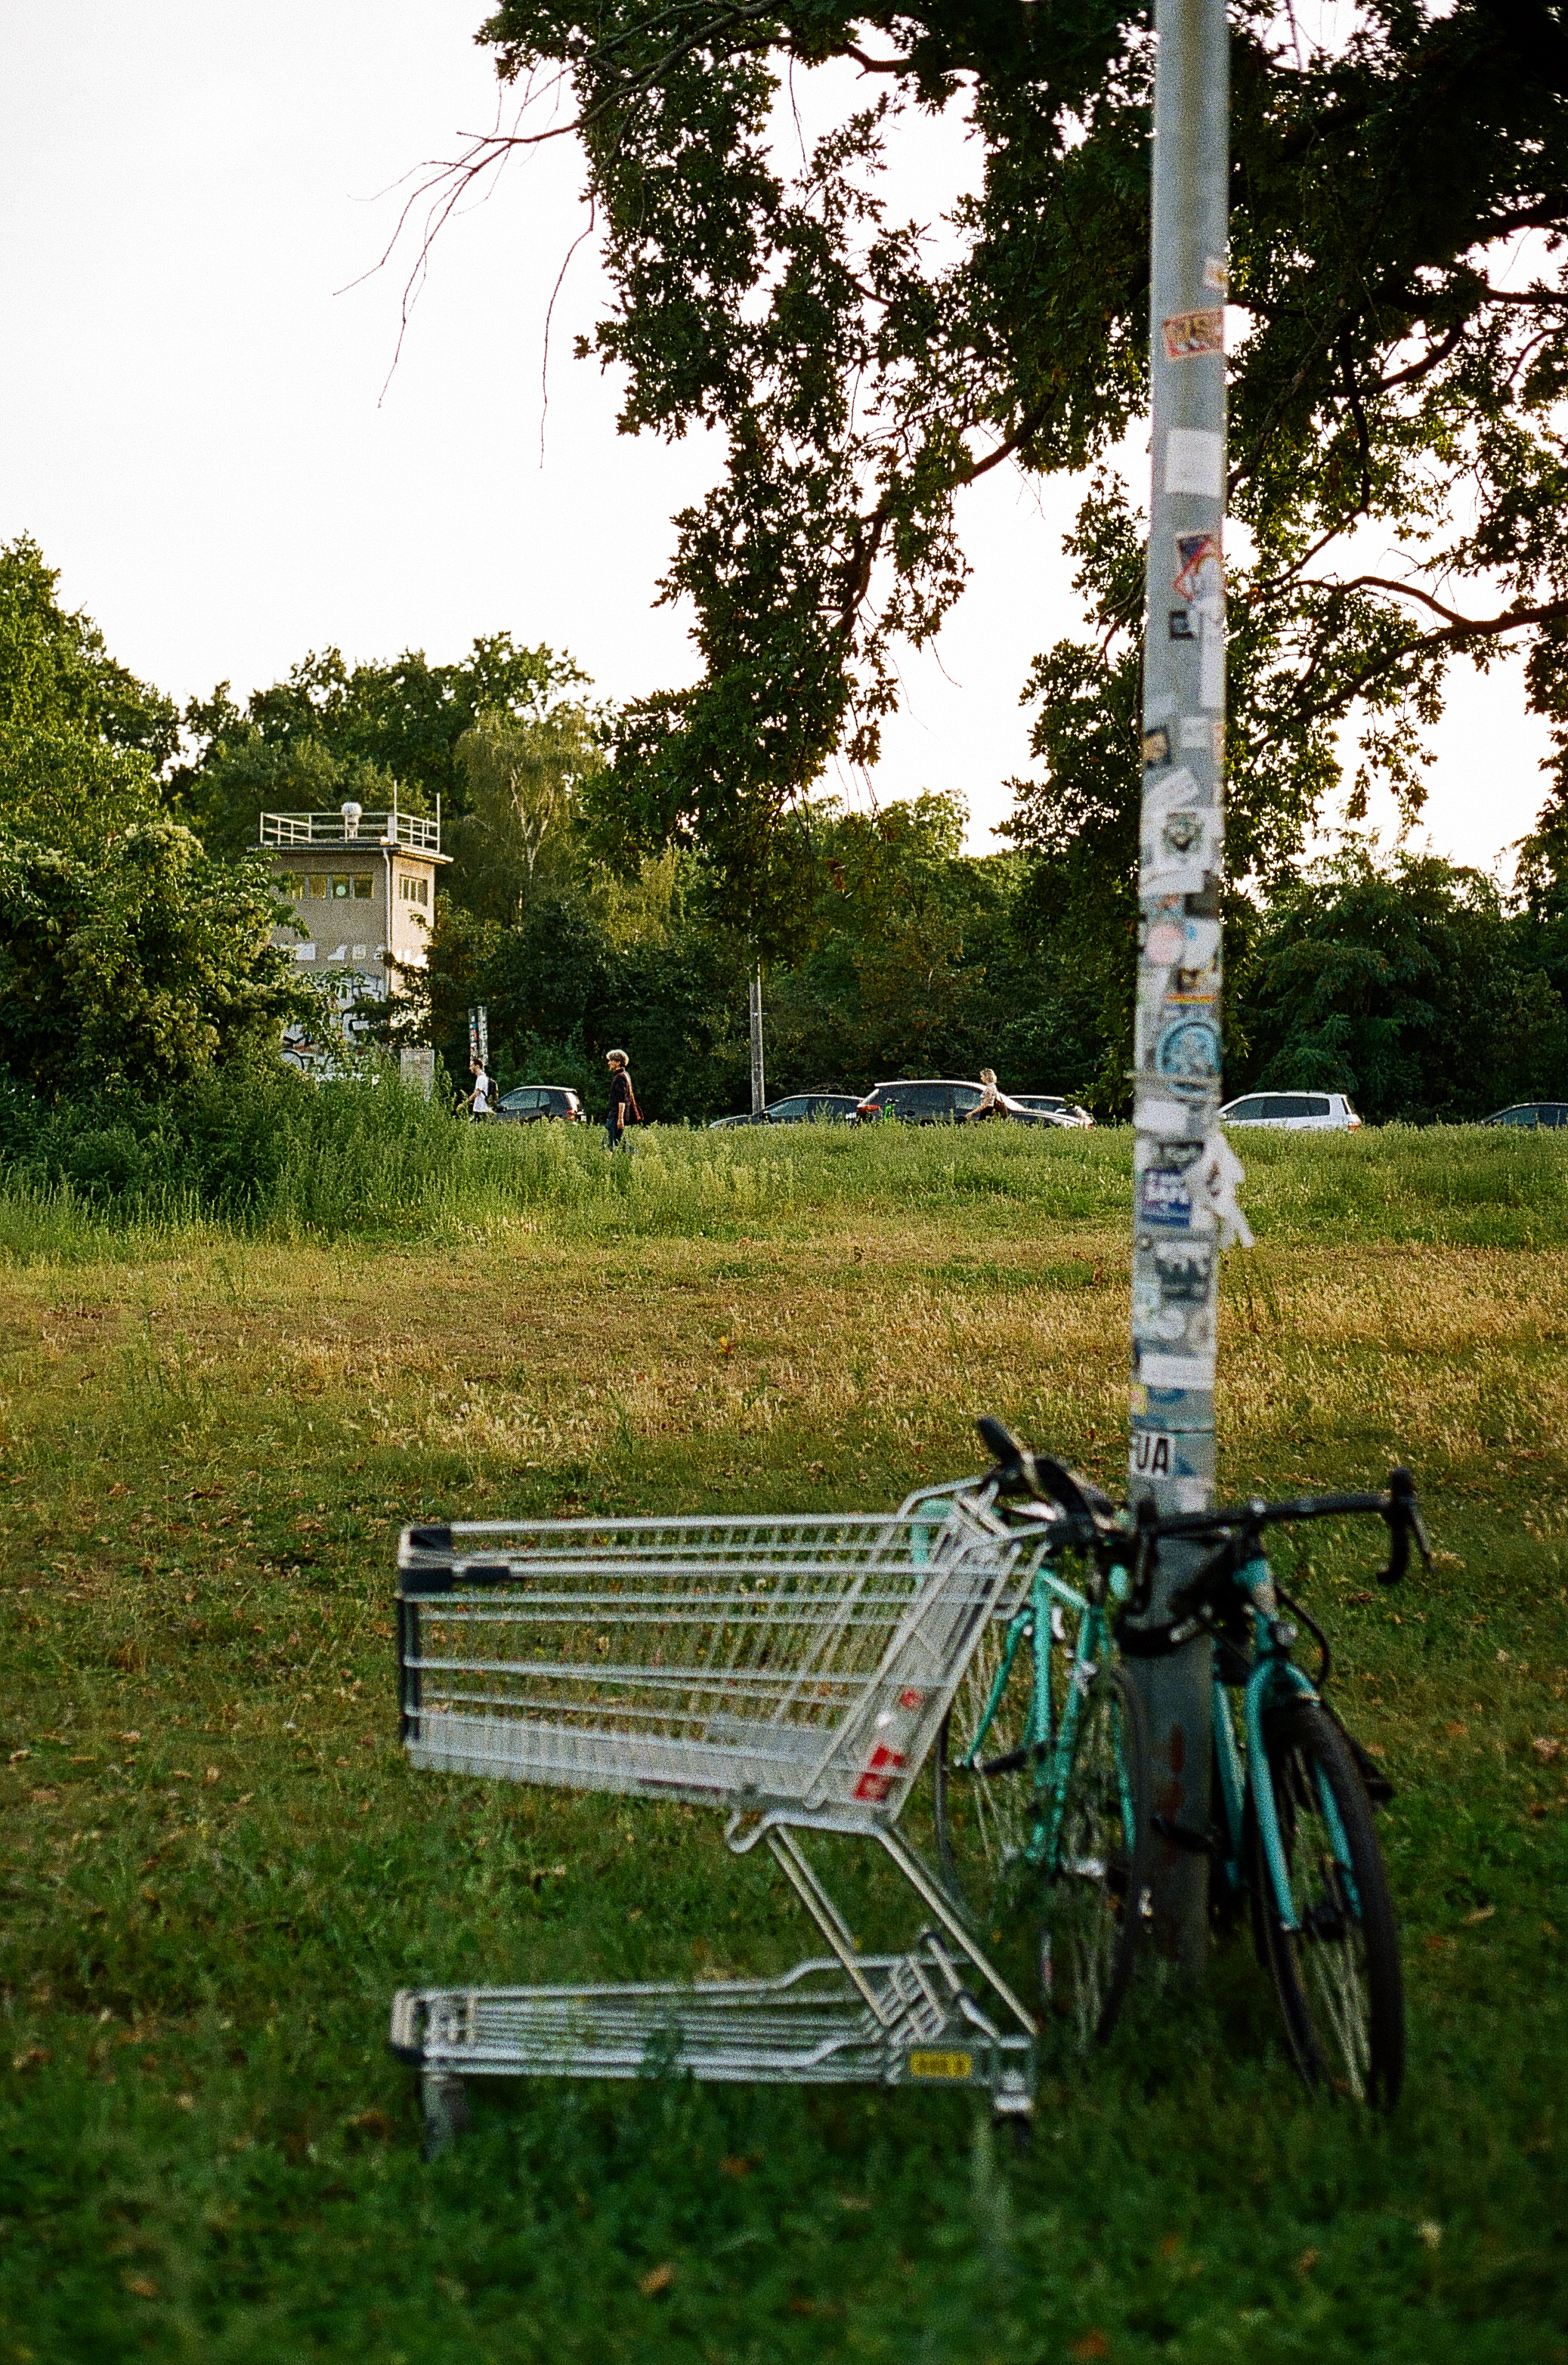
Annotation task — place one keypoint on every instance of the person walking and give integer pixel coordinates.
(622, 1100)
(989, 1100)
(477, 1101)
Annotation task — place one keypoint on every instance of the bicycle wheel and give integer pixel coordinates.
(1097, 1885)
(984, 1770)
(1337, 1977)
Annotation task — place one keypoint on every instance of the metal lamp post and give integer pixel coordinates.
(1184, 1177)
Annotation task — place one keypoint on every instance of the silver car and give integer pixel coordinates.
(1065, 1112)
(1293, 1112)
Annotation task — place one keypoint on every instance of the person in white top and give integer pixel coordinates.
(478, 1102)
(989, 1100)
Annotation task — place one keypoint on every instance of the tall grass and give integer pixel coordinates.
(216, 1866)
(275, 1156)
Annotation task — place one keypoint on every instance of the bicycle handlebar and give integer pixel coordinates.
(1095, 1517)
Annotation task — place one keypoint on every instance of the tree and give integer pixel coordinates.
(56, 673)
(81, 739)
(1403, 984)
(1394, 376)
(332, 731)
(522, 776)
(138, 964)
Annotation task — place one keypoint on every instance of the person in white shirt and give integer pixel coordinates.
(478, 1102)
(989, 1100)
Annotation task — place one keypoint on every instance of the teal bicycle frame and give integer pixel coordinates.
(1050, 1738)
(1272, 1678)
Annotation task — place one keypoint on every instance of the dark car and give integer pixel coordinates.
(1531, 1113)
(944, 1100)
(799, 1108)
(533, 1103)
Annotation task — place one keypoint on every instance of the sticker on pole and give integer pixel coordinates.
(1194, 462)
(1199, 568)
(1151, 1454)
(1181, 850)
(1189, 335)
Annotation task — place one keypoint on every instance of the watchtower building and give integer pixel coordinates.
(363, 884)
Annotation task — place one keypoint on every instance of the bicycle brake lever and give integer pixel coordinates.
(1019, 1471)
(1403, 1523)
(1010, 1457)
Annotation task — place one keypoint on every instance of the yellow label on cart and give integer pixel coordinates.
(942, 2065)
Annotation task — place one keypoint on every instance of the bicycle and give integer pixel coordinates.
(1294, 1790)
(1040, 1773)
(1058, 1816)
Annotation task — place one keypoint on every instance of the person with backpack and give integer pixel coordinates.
(622, 1100)
(477, 1101)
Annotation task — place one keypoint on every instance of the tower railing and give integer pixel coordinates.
(411, 831)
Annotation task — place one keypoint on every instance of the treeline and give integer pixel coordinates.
(135, 915)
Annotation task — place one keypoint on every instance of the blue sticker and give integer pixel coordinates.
(1189, 1051)
(1164, 1200)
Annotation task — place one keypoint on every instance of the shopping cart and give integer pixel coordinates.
(793, 1672)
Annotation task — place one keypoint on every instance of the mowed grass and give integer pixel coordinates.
(219, 1869)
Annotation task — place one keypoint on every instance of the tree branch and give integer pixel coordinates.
(1363, 441)
(1429, 361)
(1459, 627)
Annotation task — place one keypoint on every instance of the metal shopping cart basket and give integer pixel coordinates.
(793, 1672)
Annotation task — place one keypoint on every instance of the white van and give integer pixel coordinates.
(1295, 1112)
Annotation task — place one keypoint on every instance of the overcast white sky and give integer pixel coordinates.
(193, 425)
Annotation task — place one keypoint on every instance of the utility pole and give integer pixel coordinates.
(1184, 1177)
(758, 1086)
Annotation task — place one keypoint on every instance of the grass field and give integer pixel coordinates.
(218, 1868)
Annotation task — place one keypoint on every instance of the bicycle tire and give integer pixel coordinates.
(1338, 1978)
(984, 1820)
(1097, 1899)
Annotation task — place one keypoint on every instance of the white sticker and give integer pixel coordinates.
(1217, 273)
(1179, 851)
(1210, 662)
(1194, 462)
(1218, 1177)
(1193, 1494)
(1196, 735)
(1151, 1454)
(1171, 790)
(1166, 1120)
(1176, 1370)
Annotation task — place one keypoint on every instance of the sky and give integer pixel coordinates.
(207, 422)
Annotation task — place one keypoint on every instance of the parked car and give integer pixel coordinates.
(1531, 1113)
(944, 1100)
(1293, 1112)
(1052, 1104)
(799, 1108)
(533, 1103)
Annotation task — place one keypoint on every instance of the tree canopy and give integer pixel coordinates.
(1399, 196)
(331, 731)
(138, 964)
(81, 739)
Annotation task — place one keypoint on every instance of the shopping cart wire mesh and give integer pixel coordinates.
(793, 1671)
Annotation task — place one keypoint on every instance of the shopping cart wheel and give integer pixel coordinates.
(446, 2109)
